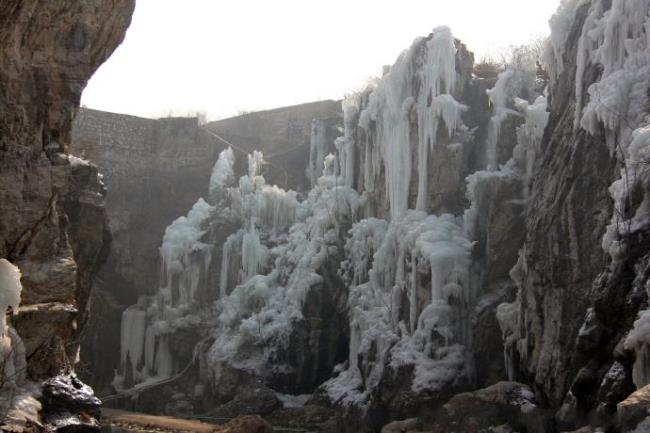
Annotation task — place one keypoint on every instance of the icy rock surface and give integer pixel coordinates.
(66, 393)
(582, 270)
(407, 278)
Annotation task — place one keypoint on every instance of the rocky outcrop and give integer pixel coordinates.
(577, 303)
(504, 407)
(63, 398)
(634, 409)
(53, 224)
(562, 255)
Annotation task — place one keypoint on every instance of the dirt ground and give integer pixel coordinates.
(139, 422)
(118, 421)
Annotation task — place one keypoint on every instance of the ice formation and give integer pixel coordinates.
(318, 150)
(616, 38)
(392, 105)
(499, 96)
(12, 351)
(619, 42)
(639, 340)
(411, 295)
(255, 318)
(181, 265)
(393, 324)
(223, 172)
(560, 24)
(529, 136)
(520, 167)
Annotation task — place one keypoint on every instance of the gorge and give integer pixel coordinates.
(448, 249)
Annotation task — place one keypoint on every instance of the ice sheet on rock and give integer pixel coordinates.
(258, 204)
(289, 400)
(638, 340)
(635, 174)
(390, 107)
(508, 318)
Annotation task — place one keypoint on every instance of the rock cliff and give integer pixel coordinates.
(53, 223)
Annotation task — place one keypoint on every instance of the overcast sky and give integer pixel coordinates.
(225, 56)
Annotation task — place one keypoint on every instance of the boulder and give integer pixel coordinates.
(505, 405)
(246, 424)
(634, 409)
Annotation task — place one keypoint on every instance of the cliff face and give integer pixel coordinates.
(53, 225)
(566, 216)
(584, 263)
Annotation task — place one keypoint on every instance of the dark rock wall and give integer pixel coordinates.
(576, 305)
(566, 216)
(53, 223)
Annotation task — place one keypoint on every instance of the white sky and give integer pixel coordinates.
(223, 56)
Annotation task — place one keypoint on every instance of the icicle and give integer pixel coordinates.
(441, 61)
(346, 145)
(253, 254)
(413, 307)
(255, 162)
(318, 149)
(132, 342)
(498, 96)
(222, 172)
